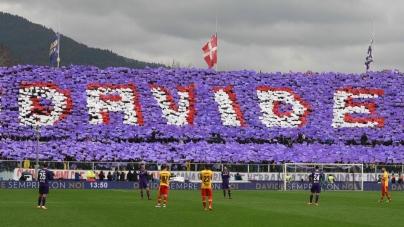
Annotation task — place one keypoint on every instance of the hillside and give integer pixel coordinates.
(29, 43)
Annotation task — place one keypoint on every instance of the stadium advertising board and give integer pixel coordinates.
(254, 185)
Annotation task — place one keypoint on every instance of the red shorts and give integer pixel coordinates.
(385, 188)
(163, 190)
(206, 191)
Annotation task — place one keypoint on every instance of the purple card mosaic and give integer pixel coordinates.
(91, 114)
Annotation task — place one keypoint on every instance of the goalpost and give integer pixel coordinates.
(346, 176)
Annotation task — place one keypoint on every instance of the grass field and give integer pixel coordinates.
(75, 208)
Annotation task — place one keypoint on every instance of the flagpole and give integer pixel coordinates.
(216, 42)
(374, 43)
(58, 59)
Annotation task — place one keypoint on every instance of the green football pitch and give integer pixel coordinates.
(75, 208)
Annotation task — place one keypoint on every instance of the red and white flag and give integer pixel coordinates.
(210, 51)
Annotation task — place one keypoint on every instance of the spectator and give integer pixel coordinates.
(331, 179)
(323, 179)
(101, 176)
(22, 178)
(27, 163)
(288, 178)
(129, 176)
(90, 176)
(134, 176)
(53, 175)
(109, 176)
(122, 176)
(379, 179)
(174, 167)
(77, 176)
(238, 177)
(149, 177)
(400, 178)
(188, 165)
(310, 178)
(115, 175)
(118, 175)
(393, 179)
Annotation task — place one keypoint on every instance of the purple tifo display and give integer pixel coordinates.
(94, 114)
(200, 152)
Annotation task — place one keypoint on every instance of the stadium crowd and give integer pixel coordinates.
(107, 138)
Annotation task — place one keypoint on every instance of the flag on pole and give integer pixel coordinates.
(210, 51)
(369, 57)
(54, 48)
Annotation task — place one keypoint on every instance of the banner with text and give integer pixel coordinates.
(194, 175)
(255, 185)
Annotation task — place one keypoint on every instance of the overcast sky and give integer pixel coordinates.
(262, 35)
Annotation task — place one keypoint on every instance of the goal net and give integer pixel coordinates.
(337, 176)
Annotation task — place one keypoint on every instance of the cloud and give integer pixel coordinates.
(259, 34)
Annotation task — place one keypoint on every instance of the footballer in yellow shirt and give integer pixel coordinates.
(385, 185)
(206, 176)
(164, 185)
